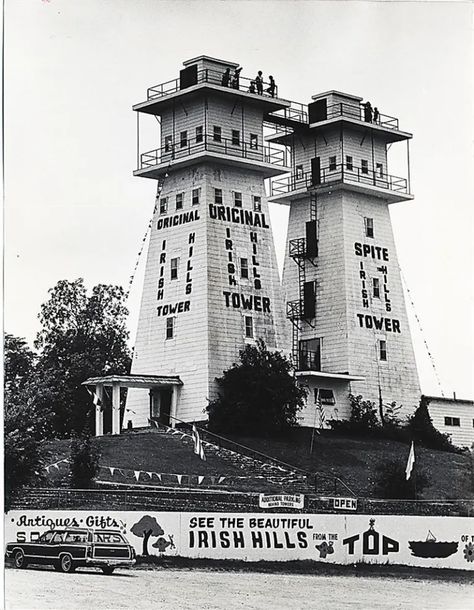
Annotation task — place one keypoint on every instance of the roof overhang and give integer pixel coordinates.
(329, 376)
(135, 381)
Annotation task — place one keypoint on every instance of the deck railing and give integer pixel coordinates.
(223, 146)
(213, 77)
(336, 174)
(358, 112)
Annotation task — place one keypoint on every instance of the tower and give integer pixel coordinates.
(343, 291)
(211, 280)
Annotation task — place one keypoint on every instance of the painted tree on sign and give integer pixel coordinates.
(145, 528)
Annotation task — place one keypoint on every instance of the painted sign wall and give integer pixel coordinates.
(438, 542)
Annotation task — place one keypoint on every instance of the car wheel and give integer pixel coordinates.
(107, 569)
(19, 559)
(66, 564)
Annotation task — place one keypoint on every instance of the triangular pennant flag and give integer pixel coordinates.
(183, 436)
(150, 474)
(137, 474)
(158, 475)
(112, 470)
(221, 479)
(200, 480)
(56, 466)
(47, 468)
(411, 461)
(179, 477)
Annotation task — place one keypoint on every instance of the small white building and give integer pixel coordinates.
(453, 416)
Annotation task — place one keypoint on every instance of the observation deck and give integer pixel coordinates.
(363, 180)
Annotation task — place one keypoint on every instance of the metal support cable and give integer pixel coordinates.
(433, 364)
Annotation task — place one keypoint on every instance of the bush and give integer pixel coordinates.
(391, 481)
(258, 396)
(84, 462)
(363, 420)
(422, 430)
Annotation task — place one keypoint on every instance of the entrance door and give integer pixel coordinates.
(165, 406)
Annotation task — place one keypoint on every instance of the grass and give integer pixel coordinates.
(352, 459)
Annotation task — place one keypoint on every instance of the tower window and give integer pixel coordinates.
(379, 169)
(369, 227)
(244, 268)
(163, 205)
(183, 139)
(217, 134)
(299, 172)
(254, 141)
(199, 136)
(332, 164)
(376, 287)
(218, 196)
(349, 163)
(236, 137)
(364, 166)
(196, 196)
(249, 327)
(382, 350)
(452, 421)
(174, 268)
(179, 201)
(170, 328)
(257, 203)
(168, 141)
(237, 199)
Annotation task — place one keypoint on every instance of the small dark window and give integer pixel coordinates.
(299, 172)
(249, 327)
(183, 139)
(196, 195)
(376, 287)
(244, 268)
(257, 203)
(217, 134)
(169, 328)
(382, 350)
(369, 227)
(174, 268)
(236, 137)
(179, 201)
(364, 166)
(326, 397)
(349, 163)
(218, 196)
(332, 164)
(163, 205)
(168, 141)
(254, 141)
(199, 136)
(452, 421)
(237, 199)
(379, 168)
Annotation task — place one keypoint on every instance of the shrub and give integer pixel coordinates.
(363, 420)
(391, 481)
(422, 430)
(84, 462)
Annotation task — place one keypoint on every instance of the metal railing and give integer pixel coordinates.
(336, 174)
(297, 247)
(213, 77)
(255, 152)
(295, 309)
(358, 113)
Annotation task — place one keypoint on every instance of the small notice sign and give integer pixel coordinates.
(344, 503)
(281, 501)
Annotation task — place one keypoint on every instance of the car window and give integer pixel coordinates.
(75, 537)
(108, 538)
(46, 538)
(58, 538)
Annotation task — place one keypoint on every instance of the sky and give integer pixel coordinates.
(73, 70)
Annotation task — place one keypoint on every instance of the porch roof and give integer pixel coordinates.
(135, 381)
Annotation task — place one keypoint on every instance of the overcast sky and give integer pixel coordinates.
(73, 69)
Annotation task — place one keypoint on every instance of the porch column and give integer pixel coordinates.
(99, 412)
(116, 407)
(174, 404)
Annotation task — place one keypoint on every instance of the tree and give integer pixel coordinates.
(422, 430)
(391, 481)
(146, 527)
(84, 462)
(25, 424)
(258, 396)
(81, 336)
(363, 420)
